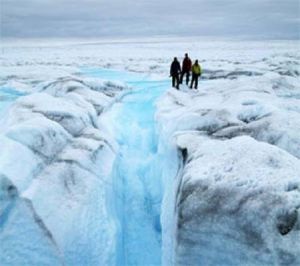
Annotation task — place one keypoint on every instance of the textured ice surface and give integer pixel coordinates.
(237, 198)
(55, 167)
(35, 62)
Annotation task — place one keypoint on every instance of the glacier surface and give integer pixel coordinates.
(237, 198)
(55, 175)
(102, 164)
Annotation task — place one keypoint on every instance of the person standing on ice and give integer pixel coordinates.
(196, 73)
(175, 70)
(186, 69)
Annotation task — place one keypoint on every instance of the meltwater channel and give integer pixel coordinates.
(138, 169)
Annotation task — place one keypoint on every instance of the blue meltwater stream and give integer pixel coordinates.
(138, 168)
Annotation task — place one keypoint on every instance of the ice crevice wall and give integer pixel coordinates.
(55, 176)
(238, 198)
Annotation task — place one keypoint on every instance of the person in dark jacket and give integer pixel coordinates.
(186, 69)
(196, 73)
(174, 73)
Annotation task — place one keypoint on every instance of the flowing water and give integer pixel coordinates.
(137, 170)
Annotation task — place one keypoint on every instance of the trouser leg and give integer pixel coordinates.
(196, 81)
(181, 77)
(187, 77)
(177, 81)
(193, 79)
(173, 81)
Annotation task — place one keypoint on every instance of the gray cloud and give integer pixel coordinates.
(97, 18)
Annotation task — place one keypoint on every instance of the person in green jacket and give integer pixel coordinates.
(196, 73)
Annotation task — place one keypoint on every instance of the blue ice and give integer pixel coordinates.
(137, 170)
(7, 96)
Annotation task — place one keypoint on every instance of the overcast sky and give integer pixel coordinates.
(255, 19)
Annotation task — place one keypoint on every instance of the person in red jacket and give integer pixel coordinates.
(186, 69)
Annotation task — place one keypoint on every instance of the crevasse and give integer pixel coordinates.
(140, 173)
